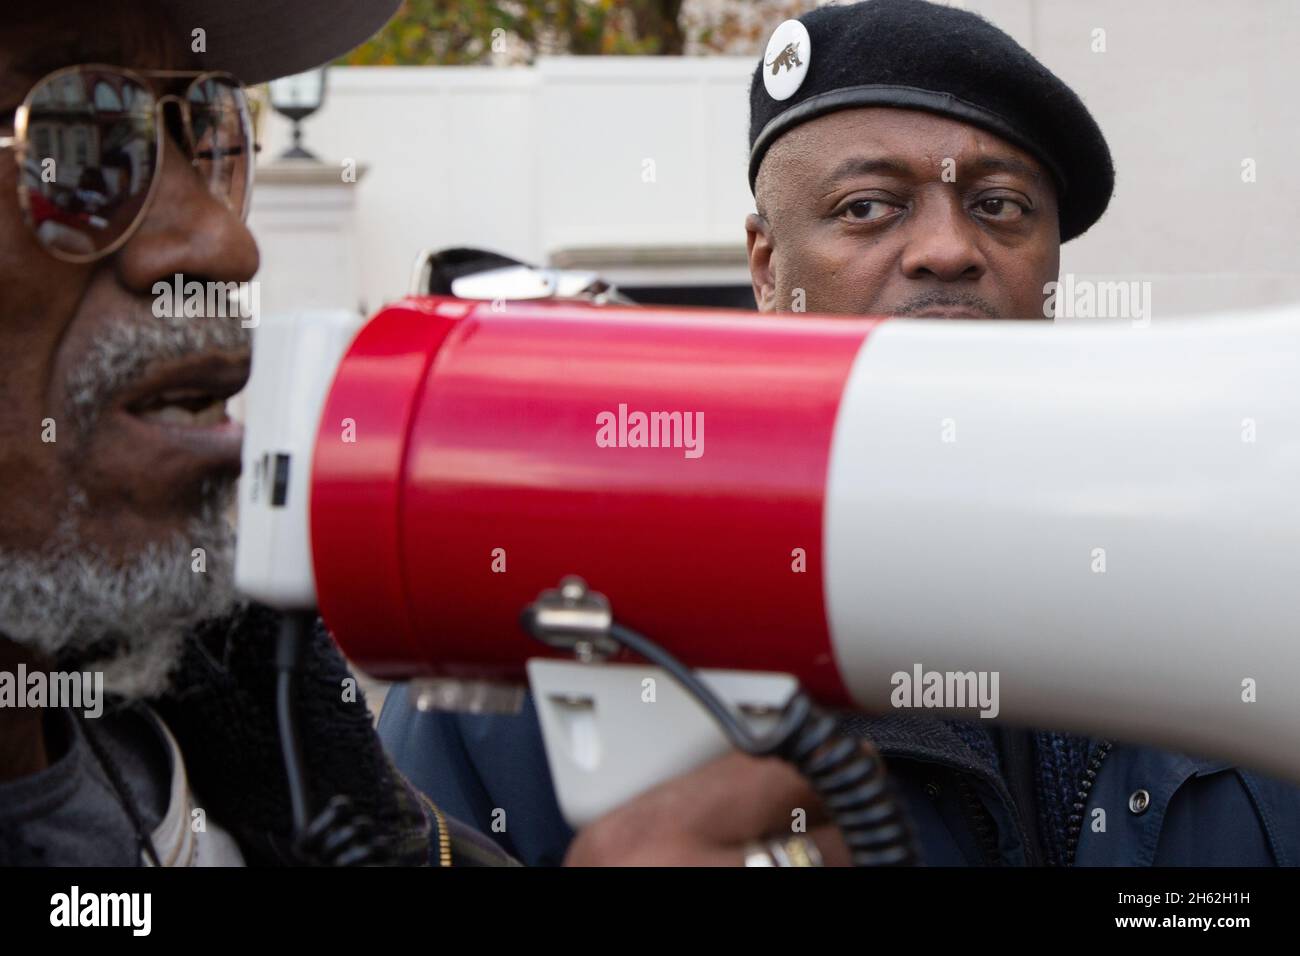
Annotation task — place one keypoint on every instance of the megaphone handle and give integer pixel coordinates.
(845, 772)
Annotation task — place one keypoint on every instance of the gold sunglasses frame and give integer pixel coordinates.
(20, 145)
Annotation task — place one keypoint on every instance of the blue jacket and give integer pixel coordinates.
(1159, 808)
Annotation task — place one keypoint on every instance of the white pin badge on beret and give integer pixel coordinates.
(785, 63)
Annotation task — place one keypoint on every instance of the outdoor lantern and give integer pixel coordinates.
(297, 97)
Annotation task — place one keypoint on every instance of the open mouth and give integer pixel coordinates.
(180, 406)
(186, 407)
(190, 392)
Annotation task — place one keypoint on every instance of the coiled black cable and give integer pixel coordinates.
(337, 835)
(849, 777)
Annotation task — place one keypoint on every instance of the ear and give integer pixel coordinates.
(758, 240)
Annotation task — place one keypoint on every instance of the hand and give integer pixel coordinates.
(708, 817)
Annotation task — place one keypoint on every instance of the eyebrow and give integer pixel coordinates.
(866, 166)
(1006, 164)
(891, 166)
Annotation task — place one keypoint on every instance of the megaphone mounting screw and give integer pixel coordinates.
(574, 618)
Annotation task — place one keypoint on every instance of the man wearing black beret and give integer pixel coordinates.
(906, 159)
(912, 159)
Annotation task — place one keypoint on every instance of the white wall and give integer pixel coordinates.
(532, 160)
(1184, 92)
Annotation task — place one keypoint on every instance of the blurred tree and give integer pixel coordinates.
(737, 26)
(473, 31)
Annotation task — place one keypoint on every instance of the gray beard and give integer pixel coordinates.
(127, 618)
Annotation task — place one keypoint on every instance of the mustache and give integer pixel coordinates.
(946, 300)
(122, 351)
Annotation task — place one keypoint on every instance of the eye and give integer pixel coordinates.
(868, 210)
(1001, 208)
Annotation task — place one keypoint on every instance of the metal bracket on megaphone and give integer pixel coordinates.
(846, 772)
(573, 618)
(569, 618)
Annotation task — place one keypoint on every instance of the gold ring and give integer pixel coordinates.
(795, 851)
(783, 851)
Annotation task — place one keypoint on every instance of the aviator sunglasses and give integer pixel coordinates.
(88, 141)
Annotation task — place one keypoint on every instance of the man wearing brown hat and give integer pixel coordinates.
(125, 159)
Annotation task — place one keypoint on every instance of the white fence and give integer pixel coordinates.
(640, 153)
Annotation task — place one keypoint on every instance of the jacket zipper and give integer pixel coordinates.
(444, 834)
(1075, 820)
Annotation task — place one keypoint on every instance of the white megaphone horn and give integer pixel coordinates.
(1107, 517)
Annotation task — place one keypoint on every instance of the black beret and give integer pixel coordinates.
(922, 56)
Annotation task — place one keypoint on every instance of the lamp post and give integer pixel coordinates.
(297, 97)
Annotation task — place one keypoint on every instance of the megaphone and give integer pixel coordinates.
(1105, 516)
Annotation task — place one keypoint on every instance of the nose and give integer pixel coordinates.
(943, 243)
(187, 230)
